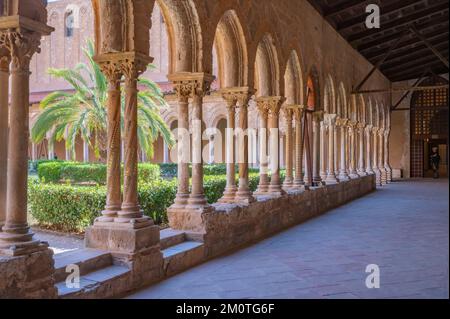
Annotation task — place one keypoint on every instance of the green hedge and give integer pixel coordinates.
(54, 172)
(72, 208)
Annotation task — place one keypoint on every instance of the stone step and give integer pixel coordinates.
(88, 260)
(182, 256)
(170, 237)
(97, 283)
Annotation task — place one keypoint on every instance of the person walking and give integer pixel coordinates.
(435, 159)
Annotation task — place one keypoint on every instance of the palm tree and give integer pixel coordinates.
(83, 112)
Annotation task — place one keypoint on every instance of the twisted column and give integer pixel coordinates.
(230, 189)
(361, 168)
(15, 237)
(368, 131)
(289, 179)
(113, 74)
(131, 212)
(352, 129)
(298, 116)
(331, 121)
(4, 115)
(244, 194)
(343, 174)
(386, 156)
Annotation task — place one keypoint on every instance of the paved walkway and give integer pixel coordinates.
(402, 228)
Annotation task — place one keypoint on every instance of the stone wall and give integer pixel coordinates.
(232, 226)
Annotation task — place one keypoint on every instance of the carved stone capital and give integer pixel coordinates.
(21, 45)
(5, 60)
(288, 112)
(330, 119)
(270, 104)
(240, 96)
(318, 116)
(188, 85)
(111, 66)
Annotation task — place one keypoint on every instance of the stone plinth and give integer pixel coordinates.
(28, 276)
(189, 219)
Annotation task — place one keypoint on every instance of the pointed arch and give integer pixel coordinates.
(267, 68)
(232, 53)
(342, 106)
(293, 78)
(329, 96)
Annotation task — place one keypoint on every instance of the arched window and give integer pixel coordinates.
(69, 24)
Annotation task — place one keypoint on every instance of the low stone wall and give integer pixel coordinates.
(232, 226)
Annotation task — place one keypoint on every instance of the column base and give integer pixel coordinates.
(244, 197)
(354, 175)
(126, 238)
(196, 202)
(189, 219)
(343, 177)
(262, 190)
(228, 195)
(362, 173)
(288, 184)
(28, 276)
(331, 180)
(19, 243)
(181, 200)
(276, 190)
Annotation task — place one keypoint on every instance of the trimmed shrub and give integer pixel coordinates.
(57, 171)
(168, 169)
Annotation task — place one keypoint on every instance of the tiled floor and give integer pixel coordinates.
(402, 228)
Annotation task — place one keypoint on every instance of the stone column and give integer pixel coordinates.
(381, 157)
(113, 180)
(289, 180)
(274, 131)
(4, 115)
(386, 156)
(323, 151)
(375, 155)
(343, 174)
(317, 118)
(298, 116)
(244, 194)
(308, 140)
(183, 89)
(197, 199)
(336, 149)
(130, 212)
(15, 237)
(361, 168)
(331, 121)
(368, 131)
(352, 130)
(230, 189)
(263, 186)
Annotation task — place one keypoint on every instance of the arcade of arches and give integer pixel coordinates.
(281, 70)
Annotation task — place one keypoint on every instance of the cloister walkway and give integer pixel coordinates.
(402, 228)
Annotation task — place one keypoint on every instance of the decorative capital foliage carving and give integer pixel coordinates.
(21, 45)
(239, 96)
(270, 105)
(189, 85)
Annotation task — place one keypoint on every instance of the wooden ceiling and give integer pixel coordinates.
(409, 57)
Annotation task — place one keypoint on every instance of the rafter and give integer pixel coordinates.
(398, 23)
